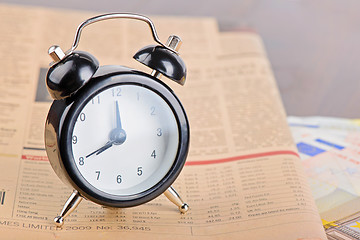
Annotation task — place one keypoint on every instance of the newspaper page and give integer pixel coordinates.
(243, 178)
(329, 149)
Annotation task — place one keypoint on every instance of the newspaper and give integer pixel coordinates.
(243, 177)
(329, 149)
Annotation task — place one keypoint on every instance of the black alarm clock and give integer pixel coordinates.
(118, 136)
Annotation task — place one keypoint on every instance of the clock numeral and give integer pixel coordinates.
(159, 132)
(74, 139)
(139, 171)
(98, 175)
(116, 92)
(81, 161)
(82, 117)
(138, 96)
(152, 111)
(95, 100)
(118, 179)
(153, 154)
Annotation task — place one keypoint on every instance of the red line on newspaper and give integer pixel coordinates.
(204, 162)
(35, 158)
(237, 158)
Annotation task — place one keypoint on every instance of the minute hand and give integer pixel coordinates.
(118, 120)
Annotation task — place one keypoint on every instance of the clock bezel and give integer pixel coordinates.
(85, 94)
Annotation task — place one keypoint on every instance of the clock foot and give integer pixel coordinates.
(70, 205)
(175, 198)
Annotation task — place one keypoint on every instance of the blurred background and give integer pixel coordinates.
(313, 46)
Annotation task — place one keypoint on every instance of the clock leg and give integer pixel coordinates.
(175, 198)
(70, 205)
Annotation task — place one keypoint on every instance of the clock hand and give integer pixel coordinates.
(117, 135)
(103, 148)
(106, 146)
(118, 120)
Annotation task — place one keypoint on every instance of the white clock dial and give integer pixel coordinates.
(125, 140)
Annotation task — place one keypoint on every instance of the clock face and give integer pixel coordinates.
(125, 139)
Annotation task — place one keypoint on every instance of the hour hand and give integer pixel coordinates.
(103, 148)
